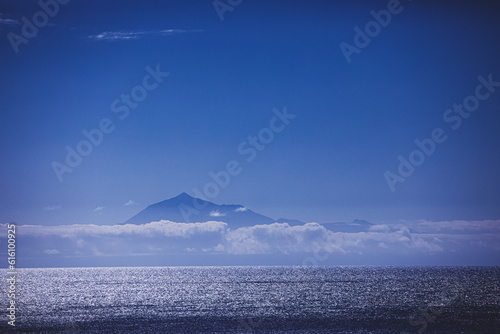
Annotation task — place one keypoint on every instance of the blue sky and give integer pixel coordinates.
(352, 120)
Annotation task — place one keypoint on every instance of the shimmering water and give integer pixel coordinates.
(257, 300)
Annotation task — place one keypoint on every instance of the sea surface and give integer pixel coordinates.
(256, 300)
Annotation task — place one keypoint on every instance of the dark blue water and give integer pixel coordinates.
(257, 300)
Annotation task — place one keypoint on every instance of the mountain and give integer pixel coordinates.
(188, 209)
(184, 208)
(291, 222)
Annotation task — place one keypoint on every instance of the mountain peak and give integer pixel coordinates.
(182, 195)
(182, 198)
(185, 208)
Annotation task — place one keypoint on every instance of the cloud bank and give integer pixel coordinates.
(217, 238)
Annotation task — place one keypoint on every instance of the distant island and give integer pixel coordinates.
(187, 231)
(188, 209)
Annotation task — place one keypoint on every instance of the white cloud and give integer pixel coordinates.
(241, 209)
(130, 202)
(164, 227)
(379, 228)
(167, 237)
(273, 238)
(283, 238)
(219, 248)
(131, 35)
(99, 208)
(217, 214)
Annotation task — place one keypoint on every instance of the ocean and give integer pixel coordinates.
(256, 300)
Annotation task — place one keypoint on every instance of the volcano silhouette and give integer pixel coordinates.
(188, 209)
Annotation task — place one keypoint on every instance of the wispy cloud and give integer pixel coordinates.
(99, 208)
(457, 226)
(217, 214)
(5, 21)
(130, 202)
(241, 209)
(137, 34)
